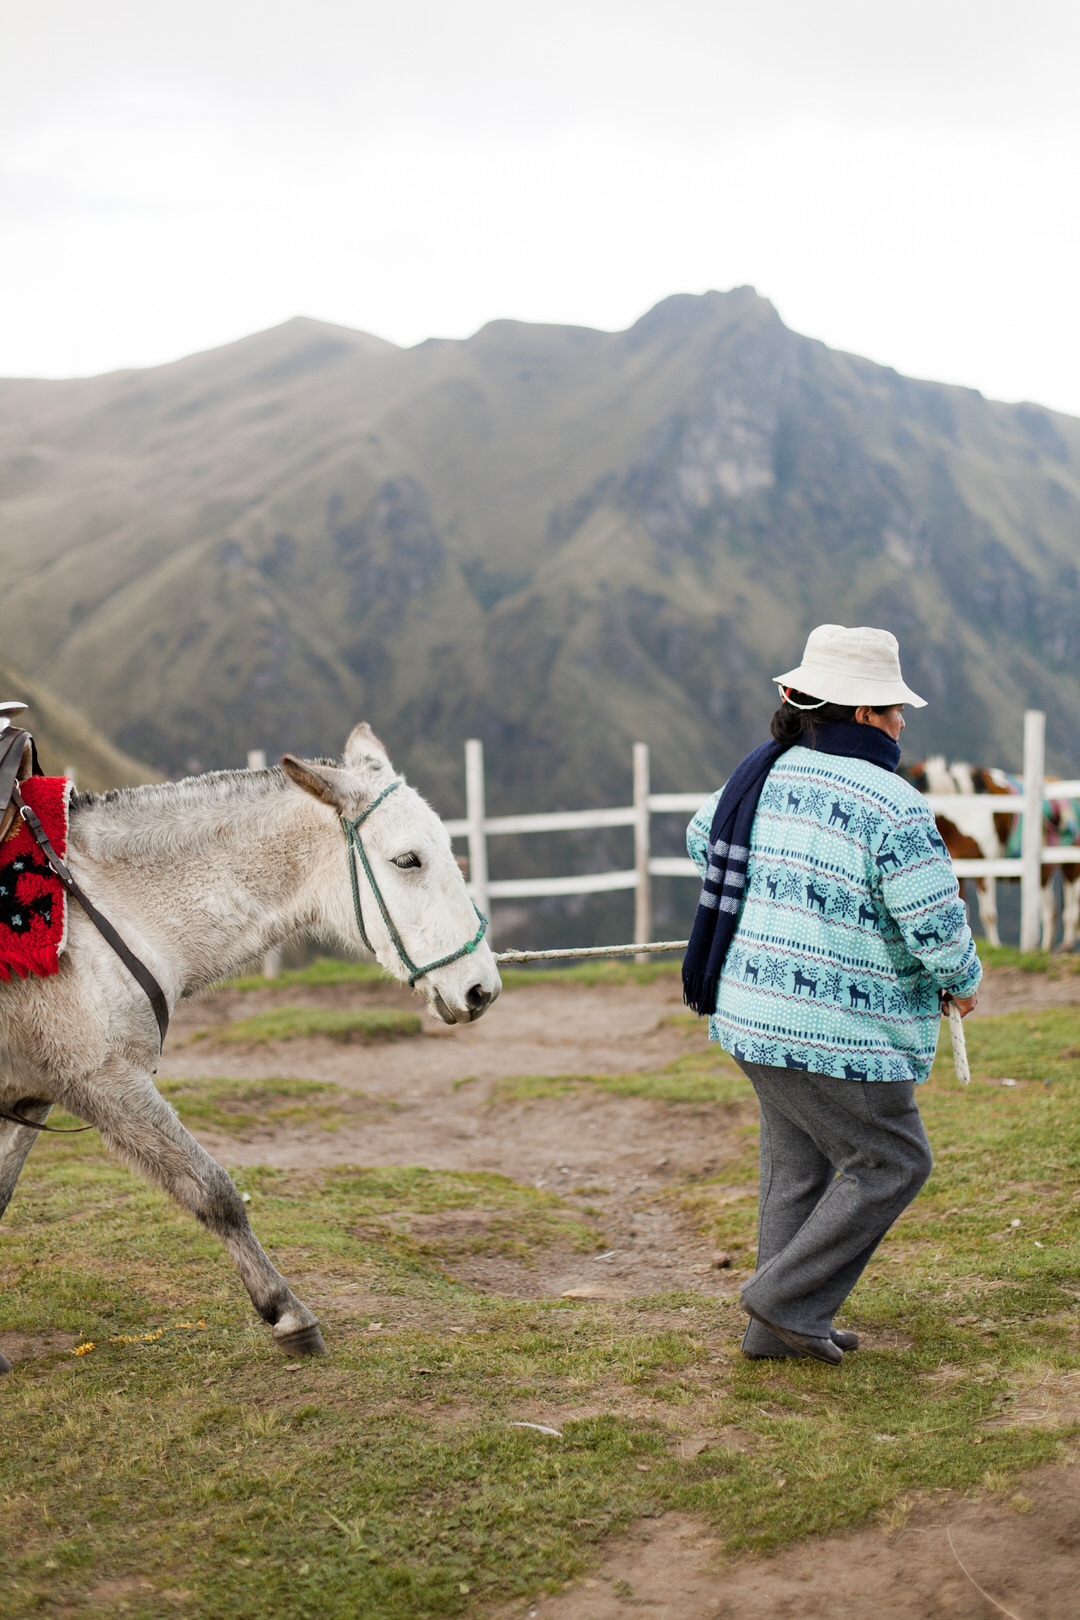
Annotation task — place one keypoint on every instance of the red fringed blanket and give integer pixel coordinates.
(33, 910)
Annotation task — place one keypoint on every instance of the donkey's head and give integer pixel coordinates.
(411, 870)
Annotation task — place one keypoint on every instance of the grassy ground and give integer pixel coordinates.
(161, 1453)
(325, 970)
(1055, 964)
(329, 970)
(289, 1023)
(699, 1077)
(238, 1107)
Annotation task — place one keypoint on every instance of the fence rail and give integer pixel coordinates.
(478, 827)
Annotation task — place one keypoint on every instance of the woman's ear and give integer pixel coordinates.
(862, 714)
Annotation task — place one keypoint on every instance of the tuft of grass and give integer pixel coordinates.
(408, 1218)
(324, 970)
(385, 1480)
(699, 1077)
(292, 1023)
(593, 971)
(1053, 964)
(688, 1023)
(235, 1107)
(387, 1189)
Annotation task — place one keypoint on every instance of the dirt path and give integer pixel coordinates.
(606, 1152)
(433, 1106)
(1023, 1552)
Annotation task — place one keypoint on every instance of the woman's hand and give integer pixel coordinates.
(963, 1004)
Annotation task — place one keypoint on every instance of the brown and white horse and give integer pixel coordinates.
(973, 833)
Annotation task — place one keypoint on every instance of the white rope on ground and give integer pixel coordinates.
(590, 950)
(974, 1582)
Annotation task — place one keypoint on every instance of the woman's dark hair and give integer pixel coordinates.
(789, 724)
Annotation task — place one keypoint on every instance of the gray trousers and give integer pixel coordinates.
(840, 1160)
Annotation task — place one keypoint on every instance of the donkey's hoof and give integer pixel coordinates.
(5, 1364)
(304, 1342)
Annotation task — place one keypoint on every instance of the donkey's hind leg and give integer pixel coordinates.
(15, 1143)
(139, 1126)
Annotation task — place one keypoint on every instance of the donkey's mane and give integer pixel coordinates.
(152, 797)
(171, 812)
(214, 787)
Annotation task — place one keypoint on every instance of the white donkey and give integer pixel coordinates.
(199, 877)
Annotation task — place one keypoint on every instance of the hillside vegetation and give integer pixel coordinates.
(553, 538)
(66, 741)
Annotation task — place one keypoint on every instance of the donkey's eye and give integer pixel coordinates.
(407, 862)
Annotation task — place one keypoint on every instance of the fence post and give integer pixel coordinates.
(256, 761)
(1032, 830)
(643, 888)
(476, 815)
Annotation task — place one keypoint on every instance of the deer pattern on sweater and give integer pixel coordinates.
(851, 925)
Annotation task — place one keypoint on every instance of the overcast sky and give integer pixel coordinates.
(899, 178)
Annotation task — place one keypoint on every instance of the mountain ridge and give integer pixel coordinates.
(555, 538)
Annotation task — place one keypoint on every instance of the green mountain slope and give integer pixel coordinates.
(66, 741)
(554, 538)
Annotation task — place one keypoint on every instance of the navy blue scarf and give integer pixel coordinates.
(729, 848)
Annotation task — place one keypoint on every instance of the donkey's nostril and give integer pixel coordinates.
(477, 998)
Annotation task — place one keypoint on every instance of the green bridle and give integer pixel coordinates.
(354, 846)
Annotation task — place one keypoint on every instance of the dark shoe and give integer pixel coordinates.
(806, 1343)
(847, 1341)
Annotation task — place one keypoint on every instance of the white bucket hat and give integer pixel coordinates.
(851, 666)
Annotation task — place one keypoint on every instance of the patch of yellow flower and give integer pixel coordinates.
(137, 1338)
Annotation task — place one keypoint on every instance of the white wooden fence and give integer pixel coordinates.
(478, 827)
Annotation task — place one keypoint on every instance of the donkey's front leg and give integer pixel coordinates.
(143, 1130)
(15, 1143)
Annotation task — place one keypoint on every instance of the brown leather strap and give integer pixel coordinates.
(138, 970)
(18, 759)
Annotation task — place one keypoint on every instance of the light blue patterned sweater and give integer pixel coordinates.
(851, 925)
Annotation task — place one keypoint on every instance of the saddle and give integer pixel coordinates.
(18, 761)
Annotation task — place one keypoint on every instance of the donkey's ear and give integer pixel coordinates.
(323, 782)
(363, 747)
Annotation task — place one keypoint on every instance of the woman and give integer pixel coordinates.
(829, 935)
